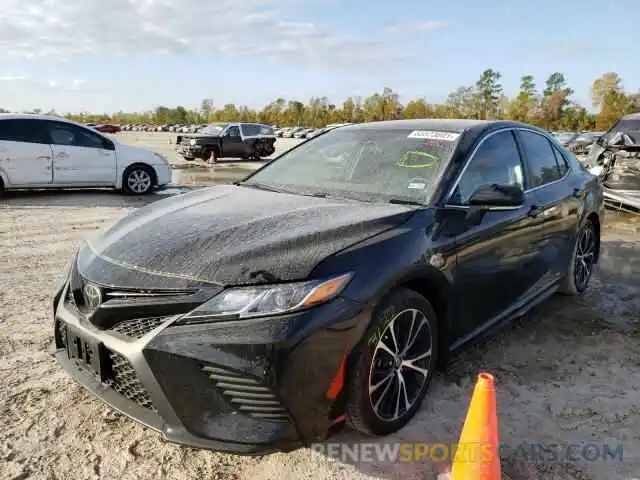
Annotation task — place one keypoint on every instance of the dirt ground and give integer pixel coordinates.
(566, 373)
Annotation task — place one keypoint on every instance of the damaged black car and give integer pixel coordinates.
(247, 141)
(326, 287)
(615, 158)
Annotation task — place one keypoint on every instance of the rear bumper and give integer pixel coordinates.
(248, 387)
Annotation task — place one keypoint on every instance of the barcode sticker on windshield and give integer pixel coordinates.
(431, 135)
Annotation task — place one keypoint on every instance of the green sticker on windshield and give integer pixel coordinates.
(417, 159)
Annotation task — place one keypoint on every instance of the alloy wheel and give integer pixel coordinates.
(400, 365)
(585, 257)
(139, 181)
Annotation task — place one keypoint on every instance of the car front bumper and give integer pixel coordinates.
(191, 151)
(247, 387)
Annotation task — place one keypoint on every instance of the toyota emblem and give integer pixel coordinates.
(92, 296)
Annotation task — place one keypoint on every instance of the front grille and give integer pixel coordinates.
(124, 380)
(138, 327)
(247, 394)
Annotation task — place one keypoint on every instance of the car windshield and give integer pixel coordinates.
(214, 128)
(364, 164)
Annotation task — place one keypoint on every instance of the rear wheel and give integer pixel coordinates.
(138, 180)
(578, 276)
(1, 188)
(392, 367)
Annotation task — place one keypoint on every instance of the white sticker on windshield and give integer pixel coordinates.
(431, 135)
(418, 186)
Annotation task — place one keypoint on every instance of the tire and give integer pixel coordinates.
(583, 258)
(366, 412)
(2, 190)
(189, 159)
(138, 180)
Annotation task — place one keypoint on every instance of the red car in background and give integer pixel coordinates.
(106, 128)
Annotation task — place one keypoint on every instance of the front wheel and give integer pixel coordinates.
(138, 180)
(392, 367)
(583, 259)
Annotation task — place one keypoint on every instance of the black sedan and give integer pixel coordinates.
(327, 286)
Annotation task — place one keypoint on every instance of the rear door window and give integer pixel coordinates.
(541, 159)
(25, 130)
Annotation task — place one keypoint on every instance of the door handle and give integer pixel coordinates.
(534, 211)
(62, 155)
(577, 192)
(44, 157)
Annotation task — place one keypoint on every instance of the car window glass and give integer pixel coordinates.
(541, 159)
(249, 130)
(562, 162)
(233, 131)
(70, 135)
(265, 130)
(497, 160)
(22, 130)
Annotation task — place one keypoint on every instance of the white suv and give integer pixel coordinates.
(38, 151)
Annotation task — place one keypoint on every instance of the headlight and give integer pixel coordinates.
(247, 302)
(193, 141)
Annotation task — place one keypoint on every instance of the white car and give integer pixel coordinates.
(39, 151)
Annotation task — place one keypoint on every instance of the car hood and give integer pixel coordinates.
(231, 235)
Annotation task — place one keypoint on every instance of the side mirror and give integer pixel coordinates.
(490, 196)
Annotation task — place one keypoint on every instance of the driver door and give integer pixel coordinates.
(232, 143)
(497, 262)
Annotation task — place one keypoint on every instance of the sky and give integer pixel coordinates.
(134, 55)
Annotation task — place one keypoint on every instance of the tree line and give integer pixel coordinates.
(550, 107)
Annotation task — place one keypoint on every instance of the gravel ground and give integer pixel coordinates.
(567, 372)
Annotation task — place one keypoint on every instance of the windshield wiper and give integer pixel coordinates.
(399, 201)
(262, 186)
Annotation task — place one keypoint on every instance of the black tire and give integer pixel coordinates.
(364, 410)
(189, 159)
(132, 180)
(583, 258)
(2, 190)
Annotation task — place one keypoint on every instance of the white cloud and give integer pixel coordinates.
(416, 27)
(53, 29)
(20, 81)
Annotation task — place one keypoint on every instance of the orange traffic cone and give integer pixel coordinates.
(477, 456)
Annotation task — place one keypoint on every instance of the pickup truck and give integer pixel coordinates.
(248, 141)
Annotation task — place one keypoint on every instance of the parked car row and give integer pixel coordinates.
(304, 132)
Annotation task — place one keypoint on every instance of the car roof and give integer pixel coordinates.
(34, 116)
(444, 124)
